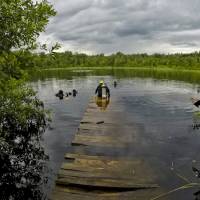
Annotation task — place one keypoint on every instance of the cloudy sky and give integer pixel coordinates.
(129, 26)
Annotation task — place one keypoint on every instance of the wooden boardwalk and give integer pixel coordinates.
(103, 177)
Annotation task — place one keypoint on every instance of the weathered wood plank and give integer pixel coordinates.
(104, 177)
(70, 193)
(136, 170)
(94, 157)
(100, 140)
(107, 179)
(103, 183)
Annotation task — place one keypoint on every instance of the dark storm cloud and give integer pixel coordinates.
(96, 26)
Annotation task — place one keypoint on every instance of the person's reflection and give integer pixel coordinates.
(102, 103)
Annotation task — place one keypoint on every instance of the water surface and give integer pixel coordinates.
(160, 109)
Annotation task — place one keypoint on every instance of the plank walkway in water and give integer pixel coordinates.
(101, 177)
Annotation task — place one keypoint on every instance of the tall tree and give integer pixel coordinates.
(21, 21)
(23, 118)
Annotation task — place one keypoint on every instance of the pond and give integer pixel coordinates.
(158, 105)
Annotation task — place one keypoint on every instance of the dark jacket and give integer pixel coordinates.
(99, 90)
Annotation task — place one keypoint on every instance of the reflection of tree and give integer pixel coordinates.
(21, 171)
(22, 158)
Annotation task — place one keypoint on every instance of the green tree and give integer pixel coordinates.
(23, 118)
(21, 21)
(22, 122)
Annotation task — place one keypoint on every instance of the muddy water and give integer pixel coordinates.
(162, 115)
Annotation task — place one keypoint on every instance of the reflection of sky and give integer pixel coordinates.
(161, 112)
(164, 111)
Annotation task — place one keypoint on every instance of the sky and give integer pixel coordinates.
(128, 26)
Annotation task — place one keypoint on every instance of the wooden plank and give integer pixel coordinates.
(93, 157)
(97, 118)
(96, 126)
(86, 174)
(103, 183)
(104, 177)
(72, 193)
(136, 169)
(100, 140)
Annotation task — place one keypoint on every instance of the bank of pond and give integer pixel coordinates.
(190, 76)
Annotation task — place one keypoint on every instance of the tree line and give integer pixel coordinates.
(69, 59)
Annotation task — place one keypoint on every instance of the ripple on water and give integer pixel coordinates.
(161, 112)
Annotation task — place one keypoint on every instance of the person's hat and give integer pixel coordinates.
(101, 82)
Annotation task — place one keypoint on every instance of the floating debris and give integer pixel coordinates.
(100, 122)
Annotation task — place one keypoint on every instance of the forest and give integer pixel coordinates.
(43, 60)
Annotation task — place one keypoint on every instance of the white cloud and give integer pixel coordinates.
(96, 26)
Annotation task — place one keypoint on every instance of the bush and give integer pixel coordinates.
(23, 119)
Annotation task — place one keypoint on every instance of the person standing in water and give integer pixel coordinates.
(102, 90)
(115, 84)
(60, 94)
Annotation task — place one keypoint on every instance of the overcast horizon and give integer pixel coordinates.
(128, 26)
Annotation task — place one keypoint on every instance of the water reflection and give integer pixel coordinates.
(183, 75)
(22, 169)
(162, 115)
(102, 103)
